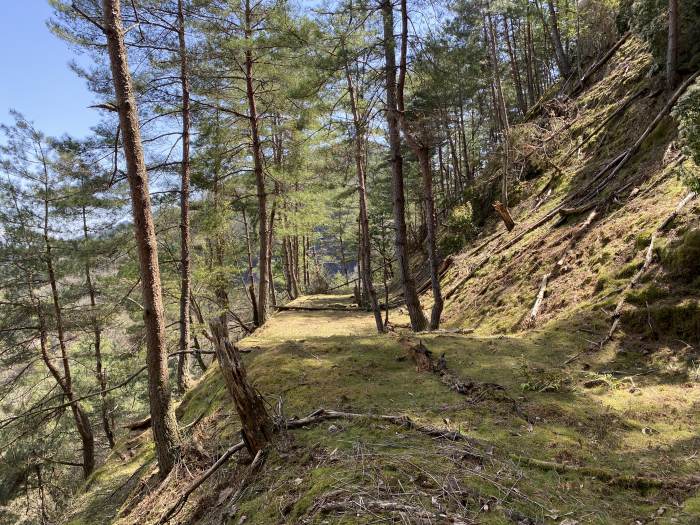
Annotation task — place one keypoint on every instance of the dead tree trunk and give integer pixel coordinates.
(504, 213)
(418, 320)
(183, 363)
(257, 427)
(165, 431)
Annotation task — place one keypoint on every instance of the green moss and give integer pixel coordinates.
(647, 295)
(680, 321)
(683, 259)
(628, 270)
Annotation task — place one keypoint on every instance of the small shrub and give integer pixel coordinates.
(459, 229)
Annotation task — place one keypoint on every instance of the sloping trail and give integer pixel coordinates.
(358, 470)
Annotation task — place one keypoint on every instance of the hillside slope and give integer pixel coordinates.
(551, 427)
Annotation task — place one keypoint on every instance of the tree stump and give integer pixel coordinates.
(503, 211)
(257, 427)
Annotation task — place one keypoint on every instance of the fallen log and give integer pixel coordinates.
(287, 308)
(651, 127)
(600, 63)
(402, 421)
(442, 270)
(425, 362)
(529, 321)
(538, 302)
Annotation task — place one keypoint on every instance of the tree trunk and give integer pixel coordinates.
(418, 320)
(165, 430)
(258, 168)
(562, 59)
(66, 382)
(256, 423)
(100, 374)
(365, 267)
(515, 72)
(672, 49)
(251, 286)
(82, 423)
(422, 152)
(183, 364)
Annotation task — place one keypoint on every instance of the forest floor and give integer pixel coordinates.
(552, 431)
(601, 441)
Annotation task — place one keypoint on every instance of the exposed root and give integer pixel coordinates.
(632, 481)
(401, 421)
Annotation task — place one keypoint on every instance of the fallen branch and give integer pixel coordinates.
(556, 271)
(373, 506)
(177, 506)
(597, 65)
(651, 127)
(401, 421)
(255, 466)
(472, 271)
(530, 321)
(423, 358)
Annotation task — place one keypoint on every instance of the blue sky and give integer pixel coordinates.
(34, 75)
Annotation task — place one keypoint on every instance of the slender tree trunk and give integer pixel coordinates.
(515, 72)
(422, 152)
(165, 430)
(365, 268)
(183, 364)
(560, 54)
(270, 244)
(418, 320)
(82, 423)
(672, 48)
(100, 373)
(258, 168)
(251, 286)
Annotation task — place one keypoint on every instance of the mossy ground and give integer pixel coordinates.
(638, 423)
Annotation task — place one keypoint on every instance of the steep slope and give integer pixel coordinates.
(551, 427)
(493, 286)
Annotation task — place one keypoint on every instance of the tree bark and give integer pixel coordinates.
(258, 168)
(183, 364)
(257, 427)
(418, 320)
(164, 424)
(672, 49)
(100, 374)
(251, 286)
(365, 268)
(562, 59)
(422, 151)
